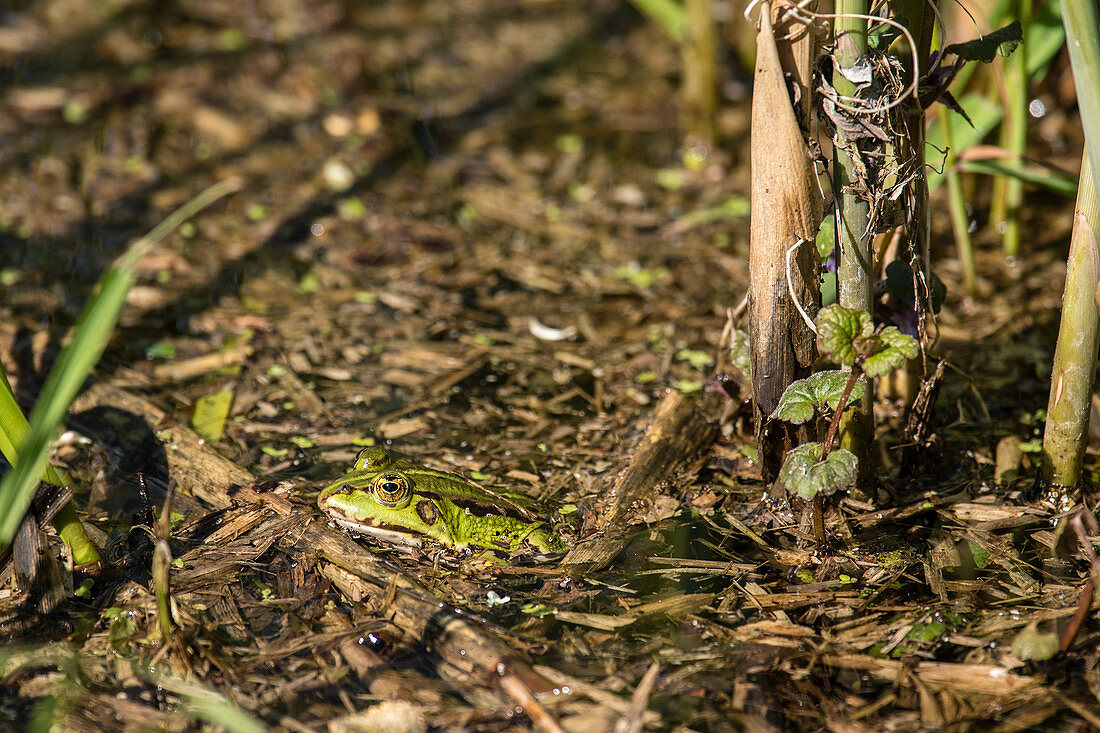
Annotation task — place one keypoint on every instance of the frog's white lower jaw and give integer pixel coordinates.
(386, 535)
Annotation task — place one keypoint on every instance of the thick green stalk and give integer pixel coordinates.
(1075, 354)
(853, 242)
(1071, 381)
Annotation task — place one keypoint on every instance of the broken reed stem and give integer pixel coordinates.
(1071, 379)
(162, 565)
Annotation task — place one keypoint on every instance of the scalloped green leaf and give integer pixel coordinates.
(892, 348)
(805, 396)
(805, 474)
(841, 331)
(1032, 644)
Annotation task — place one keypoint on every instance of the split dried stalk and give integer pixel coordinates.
(786, 208)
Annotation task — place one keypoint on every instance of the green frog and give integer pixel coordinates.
(399, 501)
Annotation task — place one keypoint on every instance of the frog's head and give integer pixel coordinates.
(379, 497)
(399, 501)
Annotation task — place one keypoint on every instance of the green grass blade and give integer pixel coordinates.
(87, 341)
(1052, 181)
(89, 338)
(13, 425)
(13, 431)
(1080, 18)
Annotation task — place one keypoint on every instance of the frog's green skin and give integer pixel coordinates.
(399, 501)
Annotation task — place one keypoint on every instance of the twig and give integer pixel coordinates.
(522, 696)
(632, 721)
(1082, 522)
(790, 288)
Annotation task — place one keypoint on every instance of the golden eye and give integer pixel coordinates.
(391, 489)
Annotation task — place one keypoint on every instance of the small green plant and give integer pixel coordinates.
(849, 338)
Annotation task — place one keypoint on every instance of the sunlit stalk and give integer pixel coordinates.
(1075, 354)
(1071, 381)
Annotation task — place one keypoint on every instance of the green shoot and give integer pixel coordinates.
(848, 337)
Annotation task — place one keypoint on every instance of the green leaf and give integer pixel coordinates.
(881, 36)
(826, 237)
(210, 413)
(741, 352)
(1034, 645)
(841, 331)
(697, 359)
(160, 350)
(980, 555)
(806, 475)
(668, 15)
(303, 442)
(639, 277)
(802, 398)
(687, 386)
(731, 209)
(891, 350)
(1002, 41)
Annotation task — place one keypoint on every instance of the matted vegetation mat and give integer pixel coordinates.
(467, 232)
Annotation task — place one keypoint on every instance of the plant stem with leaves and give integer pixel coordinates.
(853, 242)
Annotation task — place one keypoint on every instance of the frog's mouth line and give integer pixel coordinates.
(384, 532)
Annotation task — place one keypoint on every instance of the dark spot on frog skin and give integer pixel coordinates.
(427, 511)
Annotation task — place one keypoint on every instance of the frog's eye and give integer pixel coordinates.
(391, 489)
